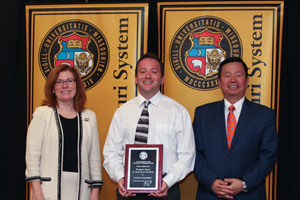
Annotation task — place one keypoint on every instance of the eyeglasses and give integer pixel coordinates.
(69, 81)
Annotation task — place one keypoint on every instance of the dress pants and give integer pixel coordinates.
(173, 194)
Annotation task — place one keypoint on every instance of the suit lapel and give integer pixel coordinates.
(220, 119)
(242, 123)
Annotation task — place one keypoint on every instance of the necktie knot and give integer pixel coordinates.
(231, 108)
(146, 103)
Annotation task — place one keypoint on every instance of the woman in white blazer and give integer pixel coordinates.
(62, 152)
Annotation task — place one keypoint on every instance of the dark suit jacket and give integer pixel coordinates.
(252, 155)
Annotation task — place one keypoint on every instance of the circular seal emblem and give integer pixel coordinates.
(199, 46)
(143, 155)
(78, 43)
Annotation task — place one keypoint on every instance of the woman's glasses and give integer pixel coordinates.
(69, 81)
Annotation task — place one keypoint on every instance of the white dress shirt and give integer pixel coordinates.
(169, 124)
(238, 108)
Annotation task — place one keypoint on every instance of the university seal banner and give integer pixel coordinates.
(194, 37)
(103, 41)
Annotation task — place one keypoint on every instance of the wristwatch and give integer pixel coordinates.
(245, 187)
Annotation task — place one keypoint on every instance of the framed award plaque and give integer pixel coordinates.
(143, 167)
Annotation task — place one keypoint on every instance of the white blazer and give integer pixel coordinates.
(44, 153)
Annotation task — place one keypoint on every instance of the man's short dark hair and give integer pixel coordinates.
(153, 56)
(230, 60)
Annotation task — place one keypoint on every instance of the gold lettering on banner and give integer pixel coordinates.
(44, 62)
(199, 83)
(175, 57)
(88, 82)
(257, 53)
(124, 66)
(100, 41)
(63, 28)
(234, 41)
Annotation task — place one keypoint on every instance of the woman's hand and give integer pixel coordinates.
(37, 193)
(95, 194)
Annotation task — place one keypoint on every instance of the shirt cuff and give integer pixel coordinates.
(169, 179)
(119, 175)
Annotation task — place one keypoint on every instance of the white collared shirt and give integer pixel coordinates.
(238, 108)
(169, 124)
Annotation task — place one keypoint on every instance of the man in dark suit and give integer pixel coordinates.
(234, 157)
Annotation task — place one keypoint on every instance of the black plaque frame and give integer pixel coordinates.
(143, 167)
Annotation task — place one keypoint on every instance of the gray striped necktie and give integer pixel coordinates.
(141, 135)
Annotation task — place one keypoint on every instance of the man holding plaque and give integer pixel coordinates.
(236, 140)
(151, 118)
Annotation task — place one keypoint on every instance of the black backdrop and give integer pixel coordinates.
(13, 101)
